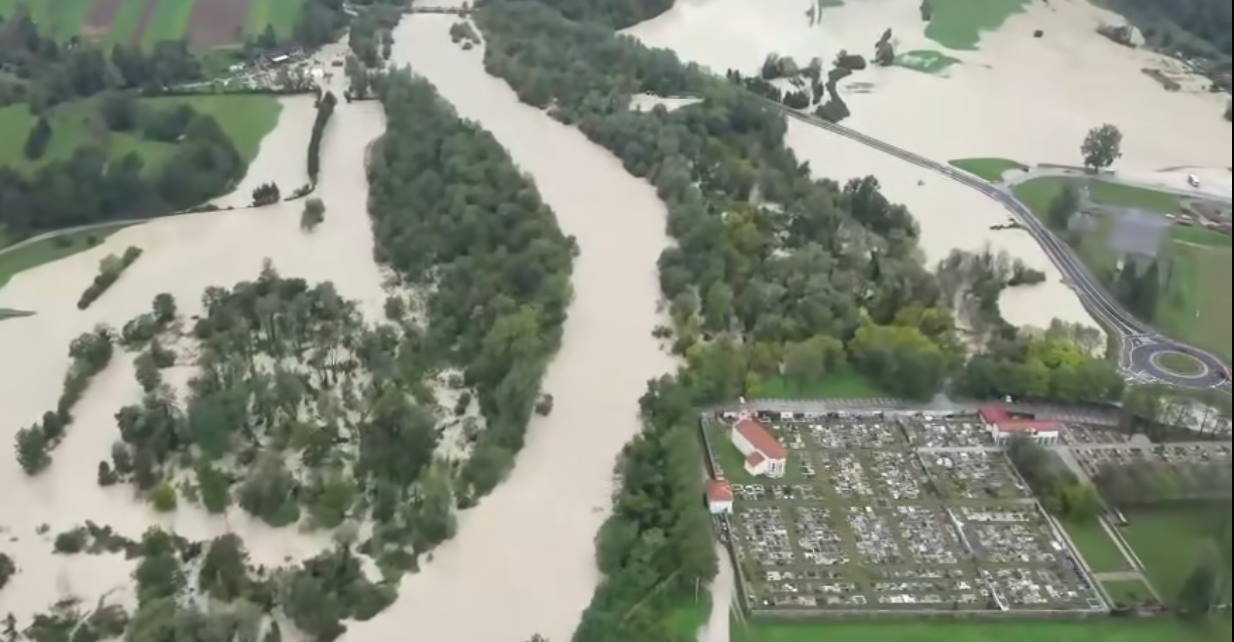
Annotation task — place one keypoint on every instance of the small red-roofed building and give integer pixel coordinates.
(719, 497)
(764, 454)
(1003, 426)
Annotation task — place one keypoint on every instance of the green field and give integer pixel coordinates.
(685, 619)
(47, 250)
(1095, 545)
(124, 24)
(169, 22)
(61, 19)
(990, 169)
(1127, 592)
(1199, 236)
(1127, 196)
(1195, 302)
(910, 630)
(925, 60)
(281, 14)
(246, 119)
(1180, 363)
(843, 384)
(957, 24)
(1170, 541)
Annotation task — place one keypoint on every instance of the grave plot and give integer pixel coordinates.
(928, 535)
(846, 475)
(857, 435)
(930, 432)
(898, 474)
(979, 474)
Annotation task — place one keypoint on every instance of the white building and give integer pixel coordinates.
(1003, 426)
(719, 497)
(764, 453)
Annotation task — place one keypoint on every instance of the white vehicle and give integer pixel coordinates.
(1192, 180)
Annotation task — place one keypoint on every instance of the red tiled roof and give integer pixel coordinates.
(755, 458)
(719, 490)
(761, 439)
(993, 413)
(1027, 425)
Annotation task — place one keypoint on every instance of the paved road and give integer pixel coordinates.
(1140, 345)
(716, 627)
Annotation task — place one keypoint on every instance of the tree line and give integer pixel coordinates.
(89, 187)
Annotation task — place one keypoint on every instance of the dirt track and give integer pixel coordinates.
(98, 20)
(217, 22)
(147, 12)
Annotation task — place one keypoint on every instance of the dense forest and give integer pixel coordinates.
(617, 14)
(452, 214)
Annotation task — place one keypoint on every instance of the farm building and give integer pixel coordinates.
(1003, 426)
(764, 454)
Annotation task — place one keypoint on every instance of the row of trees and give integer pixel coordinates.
(1063, 364)
(90, 352)
(1147, 483)
(110, 269)
(325, 109)
(1059, 490)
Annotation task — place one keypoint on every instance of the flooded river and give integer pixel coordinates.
(523, 560)
(182, 255)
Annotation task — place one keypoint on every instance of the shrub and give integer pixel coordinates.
(70, 541)
(163, 497)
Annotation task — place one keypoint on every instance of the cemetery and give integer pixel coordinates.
(894, 513)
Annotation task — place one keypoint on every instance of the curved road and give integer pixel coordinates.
(1139, 344)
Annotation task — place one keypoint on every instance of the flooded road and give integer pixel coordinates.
(523, 560)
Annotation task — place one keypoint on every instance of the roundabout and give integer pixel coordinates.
(1175, 364)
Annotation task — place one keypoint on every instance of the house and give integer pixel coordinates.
(719, 497)
(1003, 426)
(764, 454)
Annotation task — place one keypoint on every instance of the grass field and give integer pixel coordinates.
(124, 24)
(61, 19)
(925, 60)
(246, 119)
(990, 169)
(169, 22)
(1127, 591)
(844, 384)
(40, 252)
(1199, 236)
(1096, 546)
(1170, 541)
(1128, 196)
(281, 14)
(1180, 363)
(1195, 303)
(957, 24)
(909, 630)
(685, 620)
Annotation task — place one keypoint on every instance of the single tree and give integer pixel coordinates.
(32, 450)
(312, 216)
(164, 306)
(36, 141)
(1101, 146)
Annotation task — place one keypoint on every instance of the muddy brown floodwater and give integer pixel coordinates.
(182, 255)
(523, 560)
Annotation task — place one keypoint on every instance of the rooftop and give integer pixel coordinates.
(719, 490)
(760, 438)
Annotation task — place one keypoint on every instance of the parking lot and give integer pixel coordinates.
(897, 513)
